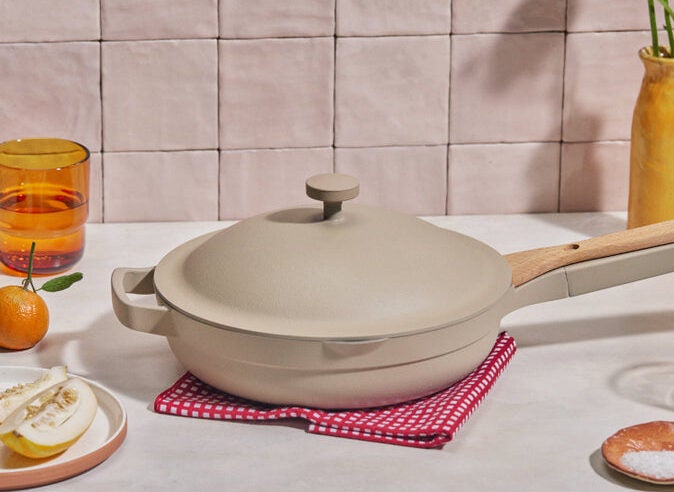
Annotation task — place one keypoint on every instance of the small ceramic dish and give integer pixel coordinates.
(644, 452)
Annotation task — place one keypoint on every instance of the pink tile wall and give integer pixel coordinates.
(372, 75)
(276, 92)
(220, 109)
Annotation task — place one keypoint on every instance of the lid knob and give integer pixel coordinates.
(332, 189)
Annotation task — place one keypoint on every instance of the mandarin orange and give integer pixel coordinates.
(24, 318)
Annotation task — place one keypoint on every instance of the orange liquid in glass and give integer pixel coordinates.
(51, 216)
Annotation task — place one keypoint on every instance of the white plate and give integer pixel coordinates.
(106, 434)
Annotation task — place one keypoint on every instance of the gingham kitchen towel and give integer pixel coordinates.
(425, 423)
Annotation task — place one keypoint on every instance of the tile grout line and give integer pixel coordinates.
(449, 121)
(561, 123)
(219, 210)
(334, 88)
(100, 93)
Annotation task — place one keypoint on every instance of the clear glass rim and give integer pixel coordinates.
(42, 153)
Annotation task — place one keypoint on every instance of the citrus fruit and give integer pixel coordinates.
(24, 318)
(12, 398)
(51, 421)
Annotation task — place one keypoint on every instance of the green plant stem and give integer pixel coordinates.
(669, 14)
(654, 28)
(665, 5)
(29, 278)
(668, 28)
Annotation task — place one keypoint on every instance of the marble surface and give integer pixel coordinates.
(585, 367)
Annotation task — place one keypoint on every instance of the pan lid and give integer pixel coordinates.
(337, 272)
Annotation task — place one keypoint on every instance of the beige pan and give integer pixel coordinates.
(357, 306)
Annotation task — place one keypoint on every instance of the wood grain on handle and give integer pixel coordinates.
(527, 265)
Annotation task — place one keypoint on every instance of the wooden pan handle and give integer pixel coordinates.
(527, 265)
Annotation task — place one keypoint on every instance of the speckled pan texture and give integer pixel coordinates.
(205, 109)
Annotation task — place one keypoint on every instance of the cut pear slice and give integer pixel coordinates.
(12, 398)
(51, 421)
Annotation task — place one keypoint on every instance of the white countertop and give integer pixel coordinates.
(579, 375)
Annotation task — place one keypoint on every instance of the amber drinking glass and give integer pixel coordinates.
(44, 197)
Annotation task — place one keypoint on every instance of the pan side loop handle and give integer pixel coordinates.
(139, 317)
(528, 265)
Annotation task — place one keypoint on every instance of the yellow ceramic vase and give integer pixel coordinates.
(651, 194)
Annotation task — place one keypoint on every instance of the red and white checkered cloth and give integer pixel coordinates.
(425, 423)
